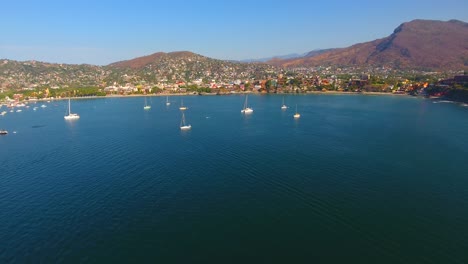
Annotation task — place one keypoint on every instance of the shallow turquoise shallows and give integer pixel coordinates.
(355, 179)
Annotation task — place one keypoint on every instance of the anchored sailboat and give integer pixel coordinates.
(167, 101)
(297, 115)
(70, 115)
(284, 107)
(246, 109)
(184, 126)
(182, 107)
(146, 107)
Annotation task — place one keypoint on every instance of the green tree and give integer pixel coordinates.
(269, 85)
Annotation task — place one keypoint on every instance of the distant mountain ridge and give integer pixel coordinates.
(186, 65)
(289, 56)
(419, 44)
(143, 61)
(266, 59)
(317, 52)
(160, 67)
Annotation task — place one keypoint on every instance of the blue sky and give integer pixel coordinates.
(101, 32)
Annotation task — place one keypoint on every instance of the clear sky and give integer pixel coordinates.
(101, 32)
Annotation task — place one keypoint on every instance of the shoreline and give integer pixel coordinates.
(214, 94)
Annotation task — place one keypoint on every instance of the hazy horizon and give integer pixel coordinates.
(86, 32)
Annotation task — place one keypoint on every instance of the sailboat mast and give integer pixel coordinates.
(69, 107)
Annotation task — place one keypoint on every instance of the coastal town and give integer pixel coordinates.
(189, 73)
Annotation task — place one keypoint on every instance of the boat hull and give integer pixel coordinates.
(247, 111)
(71, 117)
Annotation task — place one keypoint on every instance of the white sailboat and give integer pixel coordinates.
(146, 107)
(167, 101)
(246, 109)
(182, 107)
(284, 107)
(184, 126)
(297, 115)
(70, 115)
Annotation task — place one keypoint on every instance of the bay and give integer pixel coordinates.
(356, 178)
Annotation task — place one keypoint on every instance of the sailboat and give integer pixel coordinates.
(297, 115)
(70, 115)
(167, 101)
(146, 107)
(183, 126)
(182, 107)
(284, 107)
(246, 109)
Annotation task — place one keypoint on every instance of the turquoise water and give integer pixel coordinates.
(357, 179)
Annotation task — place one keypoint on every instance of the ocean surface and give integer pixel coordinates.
(357, 179)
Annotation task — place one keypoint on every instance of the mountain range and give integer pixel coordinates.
(419, 44)
(283, 57)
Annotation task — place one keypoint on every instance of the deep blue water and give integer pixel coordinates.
(357, 179)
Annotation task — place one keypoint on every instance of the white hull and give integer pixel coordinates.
(71, 116)
(247, 111)
(183, 108)
(186, 127)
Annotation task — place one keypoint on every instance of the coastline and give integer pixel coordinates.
(208, 94)
(224, 94)
(355, 93)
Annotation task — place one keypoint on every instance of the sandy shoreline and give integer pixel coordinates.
(191, 94)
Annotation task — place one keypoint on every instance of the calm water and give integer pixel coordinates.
(363, 179)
